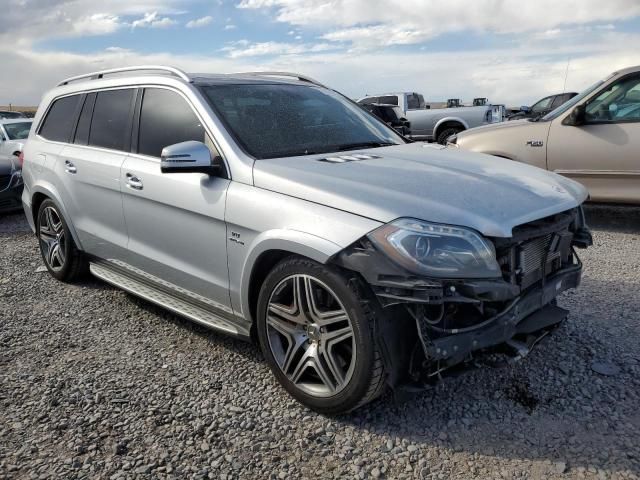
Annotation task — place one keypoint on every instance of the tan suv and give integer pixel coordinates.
(594, 138)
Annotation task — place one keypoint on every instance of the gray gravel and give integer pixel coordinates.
(97, 384)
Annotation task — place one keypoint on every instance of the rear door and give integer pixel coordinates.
(603, 154)
(175, 221)
(90, 169)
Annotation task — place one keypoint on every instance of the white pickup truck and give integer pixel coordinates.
(437, 124)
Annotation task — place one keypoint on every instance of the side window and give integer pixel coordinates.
(368, 100)
(110, 123)
(542, 106)
(388, 99)
(58, 124)
(619, 102)
(557, 101)
(84, 122)
(413, 101)
(165, 119)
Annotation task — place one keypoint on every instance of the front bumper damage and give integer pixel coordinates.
(427, 326)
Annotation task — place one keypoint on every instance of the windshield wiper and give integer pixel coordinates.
(355, 146)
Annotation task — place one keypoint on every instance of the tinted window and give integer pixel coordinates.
(287, 120)
(543, 105)
(389, 100)
(165, 119)
(84, 123)
(110, 123)
(58, 124)
(11, 115)
(557, 101)
(368, 101)
(414, 102)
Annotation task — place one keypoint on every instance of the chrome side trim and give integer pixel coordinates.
(603, 173)
(177, 304)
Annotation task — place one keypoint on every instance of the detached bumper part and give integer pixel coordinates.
(525, 316)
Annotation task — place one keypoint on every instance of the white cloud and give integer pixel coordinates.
(368, 23)
(24, 22)
(378, 36)
(153, 20)
(243, 48)
(230, 27)
(97, 24)
(200, 22)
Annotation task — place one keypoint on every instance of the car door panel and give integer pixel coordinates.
(176, 228)
(175, 221)
(94, 201)
(602, 154)
(600, 157)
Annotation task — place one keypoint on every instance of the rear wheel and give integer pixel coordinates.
(315, 327)
(61, 257)
(446, 133)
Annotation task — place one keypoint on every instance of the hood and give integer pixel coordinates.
(427, 182)
(497, 126)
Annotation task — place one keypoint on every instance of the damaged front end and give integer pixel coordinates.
(465, 294)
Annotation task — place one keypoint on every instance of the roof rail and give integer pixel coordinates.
(303, 78)
(97, 75)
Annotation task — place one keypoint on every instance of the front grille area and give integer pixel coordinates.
(536, 249)
(531, 257)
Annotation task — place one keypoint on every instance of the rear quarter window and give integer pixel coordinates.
(58, 124)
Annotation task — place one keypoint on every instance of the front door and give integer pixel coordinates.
(603, 154)
(175, 221)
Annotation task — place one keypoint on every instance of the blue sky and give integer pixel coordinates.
(512, 51)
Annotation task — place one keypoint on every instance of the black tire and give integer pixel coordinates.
(70, 264)
(446, 133)
(367, 380)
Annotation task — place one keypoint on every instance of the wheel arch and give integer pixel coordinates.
(269, 249)
(39, 195)
(449, 122)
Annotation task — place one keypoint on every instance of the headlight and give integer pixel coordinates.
(437, 250)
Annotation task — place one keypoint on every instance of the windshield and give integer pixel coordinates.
(17, 131)
(569, 105)
(279, 120)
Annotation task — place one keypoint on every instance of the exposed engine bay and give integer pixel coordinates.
(429, 325)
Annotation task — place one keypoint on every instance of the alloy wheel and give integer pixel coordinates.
(52, 238)
(311, 336)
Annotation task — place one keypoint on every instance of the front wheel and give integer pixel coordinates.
(315, 327)
(61, 257)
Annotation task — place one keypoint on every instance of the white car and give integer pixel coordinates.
(13, 134)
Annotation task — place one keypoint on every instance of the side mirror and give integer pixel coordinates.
(189, 157)
(577, 116)
(525, 109)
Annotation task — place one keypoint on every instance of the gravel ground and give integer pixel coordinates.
(97, 384)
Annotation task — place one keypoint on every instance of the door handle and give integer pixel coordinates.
(69, 167)
(134, 182)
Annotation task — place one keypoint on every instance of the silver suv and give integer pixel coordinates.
(270, 207)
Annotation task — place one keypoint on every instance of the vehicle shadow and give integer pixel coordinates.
(613, 218)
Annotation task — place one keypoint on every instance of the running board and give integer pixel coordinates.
(174, 304)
